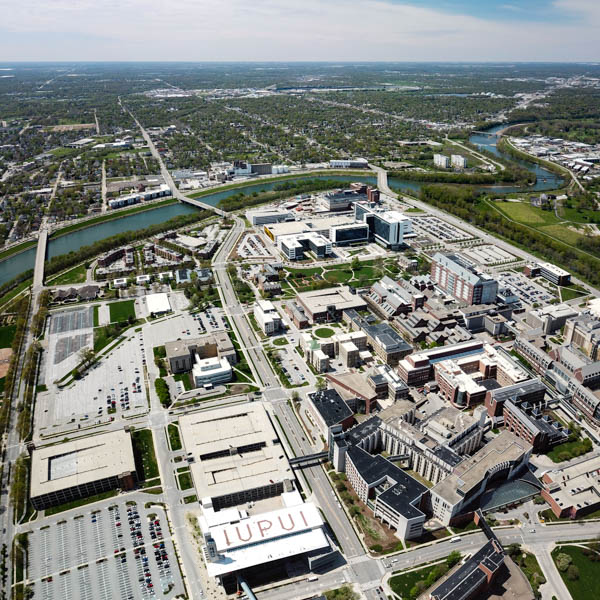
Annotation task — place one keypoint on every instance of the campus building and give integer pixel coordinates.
(237, 456)
(328, 304)
(211, 371)
(454, 275)
(181, 354)
(389, 228)
(502, 459)
(267, 317)
(394, 496)
(574, 490)
(80, 468)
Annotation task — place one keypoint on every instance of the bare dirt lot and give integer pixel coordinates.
(5, 354)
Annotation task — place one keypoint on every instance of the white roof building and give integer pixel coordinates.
(158, 303)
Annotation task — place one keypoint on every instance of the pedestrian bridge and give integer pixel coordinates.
(309, 459)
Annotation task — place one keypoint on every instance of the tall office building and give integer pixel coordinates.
(457, 277)
(387, 227)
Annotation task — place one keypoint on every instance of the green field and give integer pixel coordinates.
(587, 586)
(121, 311)
(79, 502)
(75, 275)
(526, 214)
(324, 332)
(410, 585)
(7, 333)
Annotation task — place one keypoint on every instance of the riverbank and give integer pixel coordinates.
(111, 216)
(505, 145)
(279, 178)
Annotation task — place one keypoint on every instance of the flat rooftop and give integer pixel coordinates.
(267, 537)
(317, 301)
(576, 485)
(81, 461)
(330, 405)
(505, 447)
(235, 449)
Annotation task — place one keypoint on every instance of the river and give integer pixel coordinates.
(14, 265)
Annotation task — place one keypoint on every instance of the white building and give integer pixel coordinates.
(459, 161)
(151, 194)
(211, 370)
(158, 304)
(355, 163)
(441, 161)
(388, 227)
(267, 317)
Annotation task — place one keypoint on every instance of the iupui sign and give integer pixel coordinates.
(267, 526)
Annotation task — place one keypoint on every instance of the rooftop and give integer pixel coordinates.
(504, 448)
(330, 406)
(235, 448)
(81, 461)
(341, 297)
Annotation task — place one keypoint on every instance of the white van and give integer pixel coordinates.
(456, 538)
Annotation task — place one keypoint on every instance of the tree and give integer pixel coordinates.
(321, 384)
(86, 356)
(562, 562)
(453, 559)
(573, 573)
(355, 264)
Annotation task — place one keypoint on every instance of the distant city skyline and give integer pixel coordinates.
(279, 30)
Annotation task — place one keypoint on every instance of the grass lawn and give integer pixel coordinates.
(80, 502)
(531, 569)
(190, 499)
(587, 587)
(568, 447)
(185, 379)
(562, 232)
(121, 311)
(526, 214)
(280, 341)
(567, 293)
(143, 448)
(185, 481)
(550, 517)
(96, 317)
(7, 333)
(174, 437)
(403, 584)
(102, 338)
(75, 275)
(324, 332)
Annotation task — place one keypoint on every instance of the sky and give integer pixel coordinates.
(300, 30)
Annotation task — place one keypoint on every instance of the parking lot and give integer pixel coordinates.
(68, 332)
(252, 246)
(293, 367)
(527, 290)
(111, 388)
(120, 551)
(439, 230)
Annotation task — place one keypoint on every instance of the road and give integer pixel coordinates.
(167, 175)
(104, 200)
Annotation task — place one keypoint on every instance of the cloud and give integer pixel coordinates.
(283, 30)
